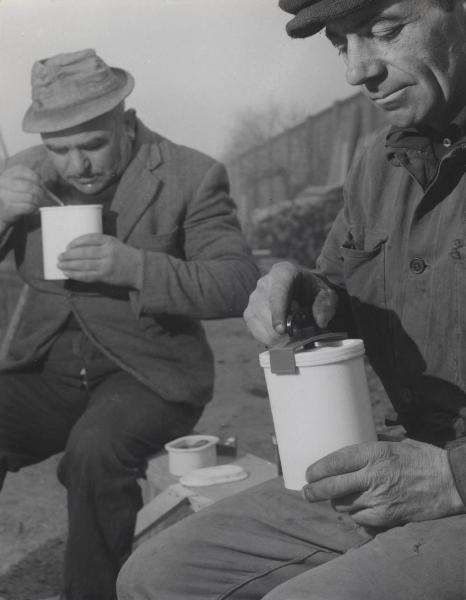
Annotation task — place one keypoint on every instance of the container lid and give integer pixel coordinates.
(70, 206)
(191, 443)
(323, 353)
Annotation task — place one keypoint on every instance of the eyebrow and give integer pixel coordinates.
(94, 142)
(366, 21)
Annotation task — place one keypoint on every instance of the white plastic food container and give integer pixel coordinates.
(322, 406)
(191, 452)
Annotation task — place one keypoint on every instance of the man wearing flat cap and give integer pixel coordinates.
(381, 520)
(110, 362)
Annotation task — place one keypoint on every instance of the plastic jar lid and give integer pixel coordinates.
(191, 443)
(70, 207)
(323, 354)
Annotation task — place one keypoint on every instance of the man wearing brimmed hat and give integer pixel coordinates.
(111, 362)
(381, 520)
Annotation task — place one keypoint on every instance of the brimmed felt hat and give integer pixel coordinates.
(312, 15)
(72, 88)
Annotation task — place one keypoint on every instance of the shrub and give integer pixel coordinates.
(297, 232)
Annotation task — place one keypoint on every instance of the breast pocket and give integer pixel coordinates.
(364, 267)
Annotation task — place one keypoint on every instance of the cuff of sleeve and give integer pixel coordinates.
(153, 297)
(457, 460)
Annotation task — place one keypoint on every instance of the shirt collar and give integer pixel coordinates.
(423, 138)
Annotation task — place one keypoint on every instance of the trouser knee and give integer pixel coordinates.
(87, 457)
(131, 581)
(162, 569)
(281, 593)
(125, 582)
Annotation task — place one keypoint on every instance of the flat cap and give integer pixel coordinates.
(312, 15)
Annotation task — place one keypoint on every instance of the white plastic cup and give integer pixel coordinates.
(60, 225)
(191, 452)
(321, 408)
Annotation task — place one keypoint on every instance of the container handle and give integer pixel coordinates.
(282, 355)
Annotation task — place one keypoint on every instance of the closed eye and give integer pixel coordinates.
(94, 144)
(387, 34)
(61, 150)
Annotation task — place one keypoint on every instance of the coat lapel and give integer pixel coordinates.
(139, 186)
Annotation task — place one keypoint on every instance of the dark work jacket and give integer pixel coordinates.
(173, 203)
(397, 255)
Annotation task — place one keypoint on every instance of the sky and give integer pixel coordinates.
(198, 64)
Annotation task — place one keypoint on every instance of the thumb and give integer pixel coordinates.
(280, 284)
(324, 307)
(278, 306)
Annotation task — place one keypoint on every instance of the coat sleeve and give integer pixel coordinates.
(217, 272)
(35, 159)
(5, 236)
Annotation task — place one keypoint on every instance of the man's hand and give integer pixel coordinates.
(102, 258)
(20, 194)
(384, 484)
(285, 286)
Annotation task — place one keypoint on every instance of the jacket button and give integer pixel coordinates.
(418, 265)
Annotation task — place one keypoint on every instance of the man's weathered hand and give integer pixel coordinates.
(287, 285)
(102, 258)
(384, 484)
(20, 194)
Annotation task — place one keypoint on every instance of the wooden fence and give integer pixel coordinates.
(317, 152)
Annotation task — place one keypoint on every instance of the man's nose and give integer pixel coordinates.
(362, 64)
(78, 163)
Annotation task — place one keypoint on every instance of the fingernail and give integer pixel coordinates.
(279, 327)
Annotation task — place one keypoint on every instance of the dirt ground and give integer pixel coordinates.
(32, 503)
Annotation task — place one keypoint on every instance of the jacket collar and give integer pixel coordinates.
(140, 184)
(421, 150)
(423, 137)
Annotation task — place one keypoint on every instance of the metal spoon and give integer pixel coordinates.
(52, 196)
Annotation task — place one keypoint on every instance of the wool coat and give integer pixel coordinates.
(173, 203)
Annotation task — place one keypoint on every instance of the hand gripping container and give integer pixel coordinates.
(320, 402)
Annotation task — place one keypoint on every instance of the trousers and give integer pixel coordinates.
(269, 543)
(106, 424)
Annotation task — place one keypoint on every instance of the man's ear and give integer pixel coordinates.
(130, 122)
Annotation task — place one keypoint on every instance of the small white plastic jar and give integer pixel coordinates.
(191, 452)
